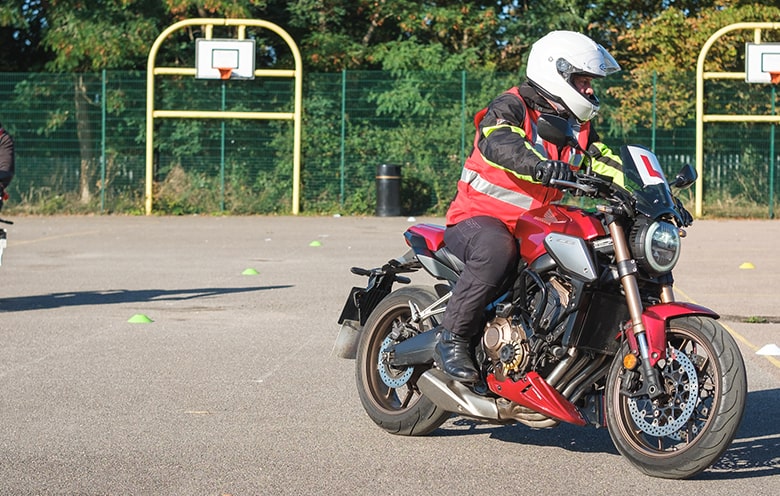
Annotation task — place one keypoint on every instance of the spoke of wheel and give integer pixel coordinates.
(705, 364)
(407, 398)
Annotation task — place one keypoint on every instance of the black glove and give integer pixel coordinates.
(547, 170)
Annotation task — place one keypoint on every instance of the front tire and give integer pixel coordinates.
(687, 429)
(390, 396)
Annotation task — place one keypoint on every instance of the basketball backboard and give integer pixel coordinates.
(224, 59)
(762, 63)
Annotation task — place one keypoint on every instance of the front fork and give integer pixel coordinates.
(627, 271)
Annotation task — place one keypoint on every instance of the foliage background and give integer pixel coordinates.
(385, 81)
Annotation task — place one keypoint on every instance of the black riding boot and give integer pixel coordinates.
(453, 357)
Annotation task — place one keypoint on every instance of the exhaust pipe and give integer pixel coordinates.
(453, 396)
(417, 350)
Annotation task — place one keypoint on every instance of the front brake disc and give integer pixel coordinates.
(667, 416)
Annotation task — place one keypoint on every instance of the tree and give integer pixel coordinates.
(21, 32)
(79, 37)
(669, 45)
(87, 36)
(84, 37)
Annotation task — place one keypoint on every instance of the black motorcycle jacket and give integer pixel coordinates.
(508, 148)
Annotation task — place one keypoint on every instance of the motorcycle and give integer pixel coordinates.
(3, 232)
(3, 237)
(3, 240)
(588, 333)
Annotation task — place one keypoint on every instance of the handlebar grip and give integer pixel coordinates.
(360, 272)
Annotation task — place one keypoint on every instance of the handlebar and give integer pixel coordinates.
(595, 186)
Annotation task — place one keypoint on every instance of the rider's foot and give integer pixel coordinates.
(453, 357)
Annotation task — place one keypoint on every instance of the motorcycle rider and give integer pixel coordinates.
(509, 172)
(6, 162)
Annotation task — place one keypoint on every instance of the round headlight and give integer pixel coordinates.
(656, 247)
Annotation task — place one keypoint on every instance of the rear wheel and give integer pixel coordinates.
(688, 428)
(390, 395)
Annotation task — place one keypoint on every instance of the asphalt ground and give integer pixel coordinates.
(232, 388)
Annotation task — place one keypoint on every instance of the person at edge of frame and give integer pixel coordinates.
(7, 166)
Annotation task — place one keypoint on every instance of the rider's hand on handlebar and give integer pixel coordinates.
(547, 170)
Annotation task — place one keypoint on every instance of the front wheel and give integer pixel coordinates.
(390, 395)
(684, 431)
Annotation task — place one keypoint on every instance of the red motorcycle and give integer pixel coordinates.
(589, 333)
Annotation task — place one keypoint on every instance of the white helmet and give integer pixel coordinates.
(559, 55)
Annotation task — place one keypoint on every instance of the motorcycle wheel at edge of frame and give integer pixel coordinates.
(685, 431)
(389, 395)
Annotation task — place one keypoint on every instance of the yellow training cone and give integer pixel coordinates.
(249, 272)
(747, 265)
(315, 243)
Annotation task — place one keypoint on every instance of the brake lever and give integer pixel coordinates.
(584, 188)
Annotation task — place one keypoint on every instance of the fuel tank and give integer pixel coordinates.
(533, 226)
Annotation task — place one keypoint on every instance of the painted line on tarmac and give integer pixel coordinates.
(734, 333)
(49, 238)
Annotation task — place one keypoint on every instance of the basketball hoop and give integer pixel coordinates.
(774, 77)
(225, 72)
(224, 59)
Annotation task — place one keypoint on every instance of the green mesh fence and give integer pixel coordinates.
(80, 141)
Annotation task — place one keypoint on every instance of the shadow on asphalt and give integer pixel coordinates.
(755, 451)
(115, 296)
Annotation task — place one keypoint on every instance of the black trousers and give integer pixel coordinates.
(490, 254)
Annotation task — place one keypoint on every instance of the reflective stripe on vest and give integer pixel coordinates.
(482, 185)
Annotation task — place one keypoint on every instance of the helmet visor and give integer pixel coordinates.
(608, 65)
(596, 63)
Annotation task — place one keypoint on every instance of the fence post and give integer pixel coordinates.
(343, 134)
(462, 116)
(655, 93)
(222, 151)
(772, 161)
(103, 143)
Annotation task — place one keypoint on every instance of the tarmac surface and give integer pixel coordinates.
(232, 387)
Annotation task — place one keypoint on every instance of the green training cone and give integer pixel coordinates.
(140, 318)
(249, 272)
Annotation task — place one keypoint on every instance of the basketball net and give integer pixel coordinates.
(225, 72)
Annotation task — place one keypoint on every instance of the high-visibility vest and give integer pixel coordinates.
(489, 189)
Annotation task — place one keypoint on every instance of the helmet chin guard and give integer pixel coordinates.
(558, 56)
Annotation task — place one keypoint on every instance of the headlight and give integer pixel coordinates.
(656, 246)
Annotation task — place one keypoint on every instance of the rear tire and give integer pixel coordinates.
(689, 428)
(398, 408)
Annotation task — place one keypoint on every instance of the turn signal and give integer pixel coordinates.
(630, 361)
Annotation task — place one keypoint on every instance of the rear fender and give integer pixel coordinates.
(362, 301)
(655, 318)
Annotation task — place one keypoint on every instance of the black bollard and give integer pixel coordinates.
(388, 190)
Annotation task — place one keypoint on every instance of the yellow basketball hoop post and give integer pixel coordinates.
(701, 117)
(223, 72)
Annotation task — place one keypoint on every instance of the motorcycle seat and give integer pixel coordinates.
(427, 240)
